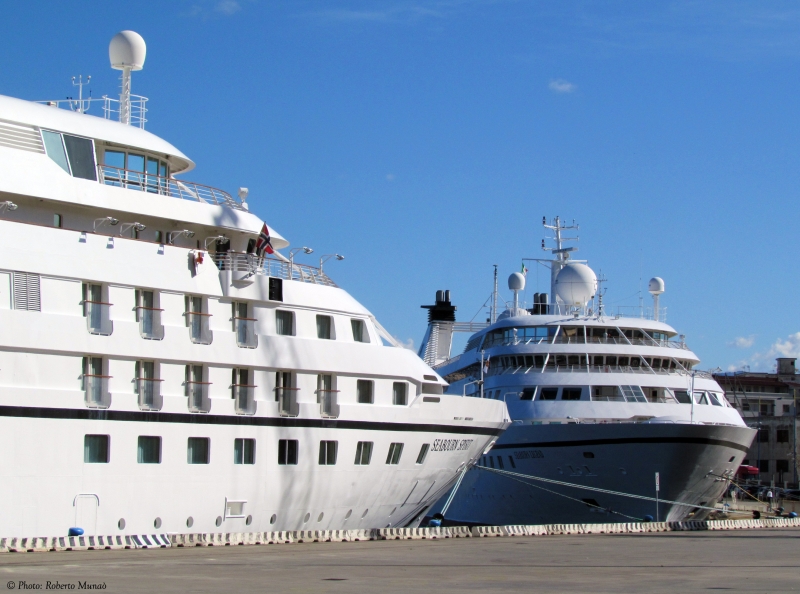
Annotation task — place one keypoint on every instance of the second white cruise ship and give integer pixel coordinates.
(160, 371)
(611, 420)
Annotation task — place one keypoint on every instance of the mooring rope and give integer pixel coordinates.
(588, 488)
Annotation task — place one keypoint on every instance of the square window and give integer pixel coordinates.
(763, 465)
(782, 436)
(399, 393)
(57, 221)
(95, 449)
(571, 394)
(364, 391)
(363, 453)
(149, 450)
(287, 451)
(781, 466)
(284, 323)
(324, 327)
(423, 453)
(395, 451)
(199, 450)
(327, 452)
(763, 435)
(244, 451)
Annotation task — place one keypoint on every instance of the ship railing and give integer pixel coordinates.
(272, 267)
(597, 369)
(616, 340)
(165, 186)
(138, 107)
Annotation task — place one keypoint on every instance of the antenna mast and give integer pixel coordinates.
(494, 297)
(80, 105)
(561, 253)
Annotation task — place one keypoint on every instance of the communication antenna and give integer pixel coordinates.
(494, 297)
(126, 52)
(80, 105)
(601, 291)
(656, 288)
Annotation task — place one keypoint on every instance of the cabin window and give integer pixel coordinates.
(197, 389)
(243, 391)
(95, 449)
(199, 450)
(363, 453)
(275, 289)
(360, 333)
(399, 393)
(327, 452)
(95, 383)
(57, 221)
(548, 394)
(80, 152)
(148, 450)
(244, 325)
(682, 396)
(527, 394)
(148, 386)
(244, 451)
(324, 324)
(395, 451)
(423, 453)
(571, 394)
(54, 147)
(364, 390)
(197, 319)
(284, 322)
(287, 451)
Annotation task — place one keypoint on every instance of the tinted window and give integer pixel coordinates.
(198, 450)
(81, 157)
(571, 394)
(95, 449)
(55, 148)
(548, 394)
(115, 159)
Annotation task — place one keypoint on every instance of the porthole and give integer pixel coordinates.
(273, 519)
(348, 514)
(189, 522)
(321, 515)
(392, 512)
(218, 521)
(307, 518)
(157, 523)
(249, 520)
(121, 524)
(364, 515)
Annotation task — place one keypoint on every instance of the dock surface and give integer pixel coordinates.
(741, 560)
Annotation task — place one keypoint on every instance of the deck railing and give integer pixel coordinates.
(618, 340)
(165, 186)
(250, 263)
(597, 369)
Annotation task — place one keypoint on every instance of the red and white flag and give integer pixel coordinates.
(264, 243)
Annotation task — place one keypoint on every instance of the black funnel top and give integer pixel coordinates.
(443, 311)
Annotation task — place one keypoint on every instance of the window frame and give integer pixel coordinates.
(106, 439)
(140, 449)
(242, 446)
(288, 455)
(190, 458)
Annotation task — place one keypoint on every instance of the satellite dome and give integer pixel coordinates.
(516, 282)
(127, 50)
(576, 284)
(656, 285)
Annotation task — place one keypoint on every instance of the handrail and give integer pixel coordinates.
(272, 267)
(149, 308)
(165, 186)
(148, 379)
(100, 376)
(197, 313)
(97, 302)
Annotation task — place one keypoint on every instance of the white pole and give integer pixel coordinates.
(657, 487)
(125, 97)
(692, 397)
(482, 352)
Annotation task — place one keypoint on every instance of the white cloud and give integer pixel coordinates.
(406, 344)
(228, 7)
(743, 342)
(765, 360)
(561, 86)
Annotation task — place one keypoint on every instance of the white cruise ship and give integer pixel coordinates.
(161, 372)
(600, 403)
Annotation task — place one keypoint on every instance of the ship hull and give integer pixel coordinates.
(690, 460)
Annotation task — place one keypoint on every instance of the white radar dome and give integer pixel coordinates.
(576, 284)
(127, 50)
(656, 285)
(516, 282)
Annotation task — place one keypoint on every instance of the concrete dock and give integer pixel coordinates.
(764, 560)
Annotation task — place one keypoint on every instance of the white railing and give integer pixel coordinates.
(165, 186)
(250, 263)
(524, 341)
(596, 369)
(110, 107)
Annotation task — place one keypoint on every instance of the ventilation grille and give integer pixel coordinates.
(20, 136)
(26, 292)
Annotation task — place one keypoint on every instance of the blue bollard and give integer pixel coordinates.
(792, 514)
(75, 531)
(647, 518)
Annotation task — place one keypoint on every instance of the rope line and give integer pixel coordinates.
(596, 489)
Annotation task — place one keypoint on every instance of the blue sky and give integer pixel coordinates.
(424, 140)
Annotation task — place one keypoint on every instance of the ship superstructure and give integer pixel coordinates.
(599, 401)
(164, 369)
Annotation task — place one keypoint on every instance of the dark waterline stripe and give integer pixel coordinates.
(625, 441)
(90, 414)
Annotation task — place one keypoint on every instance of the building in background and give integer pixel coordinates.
(768, 402)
